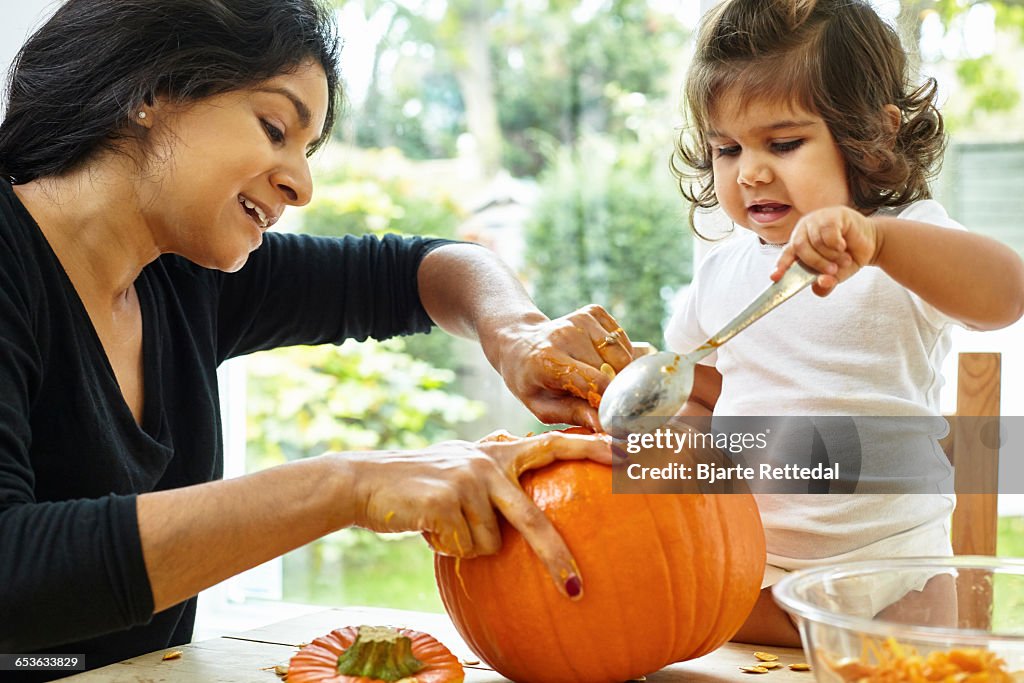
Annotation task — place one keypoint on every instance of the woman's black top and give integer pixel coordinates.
(73, 458)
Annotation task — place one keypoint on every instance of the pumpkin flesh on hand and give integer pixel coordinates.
(375, 654)
(667, 578)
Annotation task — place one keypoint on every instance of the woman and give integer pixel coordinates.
(147, 148)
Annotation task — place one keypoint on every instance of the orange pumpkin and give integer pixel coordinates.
(666, 578)
(372, 654)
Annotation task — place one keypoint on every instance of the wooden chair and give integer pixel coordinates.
(976, 477)
(976, 459)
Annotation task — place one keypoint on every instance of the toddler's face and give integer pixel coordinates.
(773, 164)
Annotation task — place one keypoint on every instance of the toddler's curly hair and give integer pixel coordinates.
(835, 58)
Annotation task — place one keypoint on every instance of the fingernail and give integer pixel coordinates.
(573, 587)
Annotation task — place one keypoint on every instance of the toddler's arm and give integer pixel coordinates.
(969, 277)
(707, 385)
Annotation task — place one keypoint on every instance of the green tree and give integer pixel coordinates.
(609, 229)
(521, 74)
(563, 76)
(373, 396)
(377, 192)
(558, 77)
(988, 83)
(369, 396)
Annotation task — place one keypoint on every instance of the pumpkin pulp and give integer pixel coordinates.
(379, 652)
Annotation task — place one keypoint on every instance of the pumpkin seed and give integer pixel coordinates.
(470, 662)
(800, 666)
(281, 670)
(753, 669)
(173, 654)
(770, 665)
(766, 656)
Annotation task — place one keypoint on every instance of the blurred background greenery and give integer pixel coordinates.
(541, 129)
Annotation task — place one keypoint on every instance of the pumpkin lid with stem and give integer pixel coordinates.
(375, 654)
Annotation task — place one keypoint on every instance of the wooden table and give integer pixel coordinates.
(252, 655)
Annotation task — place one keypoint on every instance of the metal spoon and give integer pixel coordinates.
(653, 388)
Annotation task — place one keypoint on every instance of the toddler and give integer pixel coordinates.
(803, 127)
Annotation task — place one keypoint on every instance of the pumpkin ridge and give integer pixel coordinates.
(442, 570)
(732, 551)
(616, 596)
(522, 649)
(532, 648)
(760, 559)
(566, 650)
(712, 635)
(683, 504)
(567, 657)
(671, 640)
(634, 657)
(711, 588)
(625, 525)
(466, 614)
(735, 553)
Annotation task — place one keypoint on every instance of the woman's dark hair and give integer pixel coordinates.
(836, 58)
(79, 78)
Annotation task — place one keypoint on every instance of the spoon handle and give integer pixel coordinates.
(792, 281)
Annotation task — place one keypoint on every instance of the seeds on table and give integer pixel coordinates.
(753, 669)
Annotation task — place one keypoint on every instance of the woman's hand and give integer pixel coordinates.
(450, 491)
(836, 242)
(560, 368)
(552, 366)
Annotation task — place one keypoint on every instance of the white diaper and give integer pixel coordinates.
(868, 596)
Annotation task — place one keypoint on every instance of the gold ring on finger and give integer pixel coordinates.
(609, 339)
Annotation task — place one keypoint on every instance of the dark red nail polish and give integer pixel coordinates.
(573, 586)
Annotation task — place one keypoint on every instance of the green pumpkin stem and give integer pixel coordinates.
(379, 652)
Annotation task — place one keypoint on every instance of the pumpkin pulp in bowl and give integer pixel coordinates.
(911, 619)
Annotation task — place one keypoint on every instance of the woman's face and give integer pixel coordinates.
(222, 170)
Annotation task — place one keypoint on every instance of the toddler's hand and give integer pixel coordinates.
(836, 242)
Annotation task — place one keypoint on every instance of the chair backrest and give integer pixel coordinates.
(975, 459)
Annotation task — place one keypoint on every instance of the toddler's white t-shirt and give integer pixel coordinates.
(870, 348)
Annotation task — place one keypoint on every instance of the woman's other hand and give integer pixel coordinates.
(560, 368)
(451, 490)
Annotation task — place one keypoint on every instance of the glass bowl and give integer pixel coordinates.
(913, 619)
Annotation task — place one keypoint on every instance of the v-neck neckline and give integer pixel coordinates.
(150, 423)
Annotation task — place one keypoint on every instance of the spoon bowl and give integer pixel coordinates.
(651, 390)
(656, 384)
